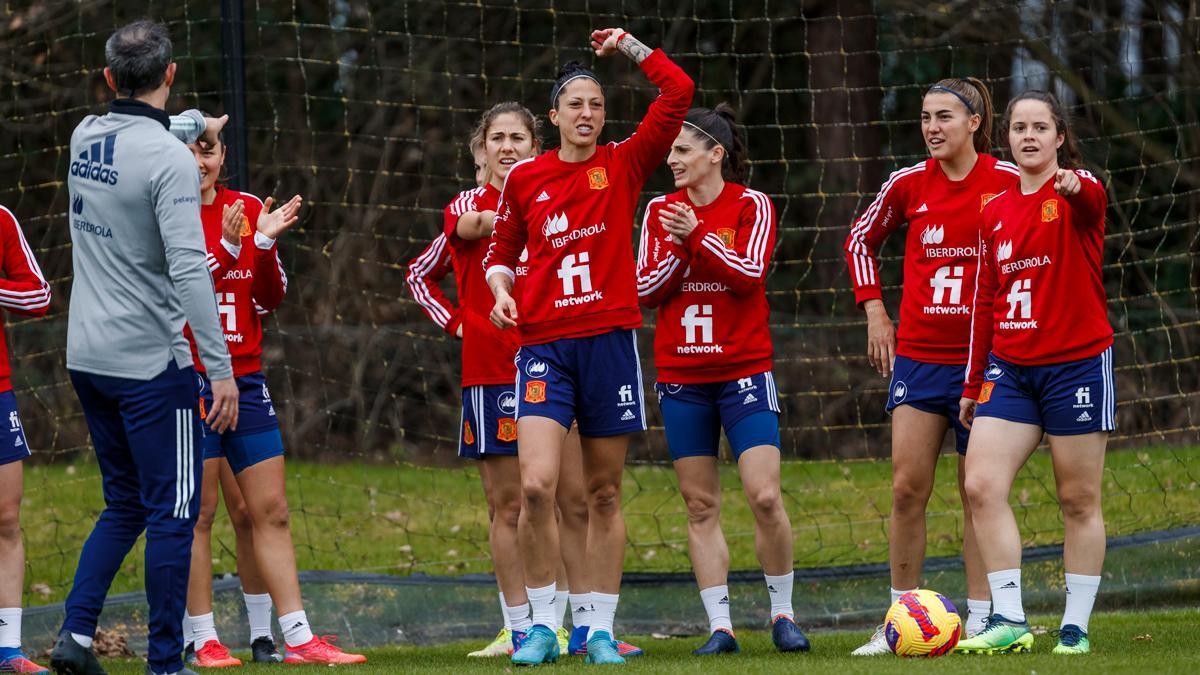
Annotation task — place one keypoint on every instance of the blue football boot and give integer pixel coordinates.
(787, 636)
(539, 646)
(720, 642)
(602, 649)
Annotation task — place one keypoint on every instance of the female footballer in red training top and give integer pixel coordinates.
(506, 133)
(247, 462)
(573, 209)
(1041, 362)
(703, 262)
(23, 291)
(942, 201)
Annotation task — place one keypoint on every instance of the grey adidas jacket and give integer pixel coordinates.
(138, 249)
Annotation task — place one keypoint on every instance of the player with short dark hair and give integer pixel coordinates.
(23, 291)
(1041, 362)
(572, 209)
(941, 199)
(703, 261)
(138, 256)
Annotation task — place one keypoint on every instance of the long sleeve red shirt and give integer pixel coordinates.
(248, 285)
(1040, 297)
(23, 290)
(940, 253)
(576, 221)
(712, 323)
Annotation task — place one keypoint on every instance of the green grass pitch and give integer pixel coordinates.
(1135, 642)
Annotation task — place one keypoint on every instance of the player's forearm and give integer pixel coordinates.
(188, 126)
(500, 282)
(632, 48)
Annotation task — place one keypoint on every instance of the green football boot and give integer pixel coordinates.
(999, 636)
(1072, 640)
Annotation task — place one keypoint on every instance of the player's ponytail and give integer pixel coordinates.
(718, 126)
(976, 98)
(1068, 152)
(532, 124)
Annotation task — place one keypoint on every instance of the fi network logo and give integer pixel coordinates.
(96, 162)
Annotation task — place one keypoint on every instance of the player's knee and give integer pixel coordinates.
(1079, 504)
(204, 519)
(982, 493)
(702, 509)
(765, 502)
(605, 500)
(909, 496)
(537, 495)
(275, 514)
(10, 520)
(574, 511)
(508, 510)
(239, 515)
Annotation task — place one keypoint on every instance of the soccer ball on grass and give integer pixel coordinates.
(922, 623)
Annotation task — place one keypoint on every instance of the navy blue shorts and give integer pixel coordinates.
(694, 414)
(257, 436)
(595, 381)
(13, 445)
(489, 421)
(935, 388)
(1064, 399)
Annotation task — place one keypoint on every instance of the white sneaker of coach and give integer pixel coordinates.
(876, 646)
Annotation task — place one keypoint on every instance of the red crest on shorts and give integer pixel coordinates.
(535, 391)
(597, 178)
(985, 394)
(507, 430)
(203, 414)
(468, 437)
(1049, 210)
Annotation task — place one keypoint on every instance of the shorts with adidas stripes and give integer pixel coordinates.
(489, 421)
(1064, 399)
(13, 445)
(595, 381)
(694, 414)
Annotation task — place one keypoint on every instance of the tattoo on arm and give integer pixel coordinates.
(636, 51)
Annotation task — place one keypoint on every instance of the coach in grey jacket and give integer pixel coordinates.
(139, 274)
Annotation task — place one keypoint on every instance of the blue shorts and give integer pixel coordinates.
(257, 436)
(934, 388)
(1064, 399)
(595, 380)
(489, 421)
(693, 415)
(13, 445)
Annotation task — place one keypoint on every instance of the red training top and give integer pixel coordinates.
(23, 290)
(940, 253)
(710, 291)
(487, 352)
(576, 220)
(248, 278)
(1040, 297)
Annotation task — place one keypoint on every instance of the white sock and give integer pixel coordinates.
(10, 627)
(896, 594)
(541, 605)
(84, 641)
(560, 608)
(780, 590)
(203, 629)
(296, 630)
(977, 614)
(581, 609)
(716, 604)
(1081, 595)
(504, 612)
(1006, 594)
(604, 613)
(518, 617)
(258, 613)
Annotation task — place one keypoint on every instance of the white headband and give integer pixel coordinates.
(559, 88)
(714, 138)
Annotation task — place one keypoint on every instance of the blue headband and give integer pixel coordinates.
(938, 87)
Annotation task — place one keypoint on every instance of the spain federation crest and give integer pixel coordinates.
(1049, 210)
(468, 437)
(506, 430)
(597, 178)
(727, 235)
(535, 391)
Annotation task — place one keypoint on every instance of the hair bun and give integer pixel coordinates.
(568, 68)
